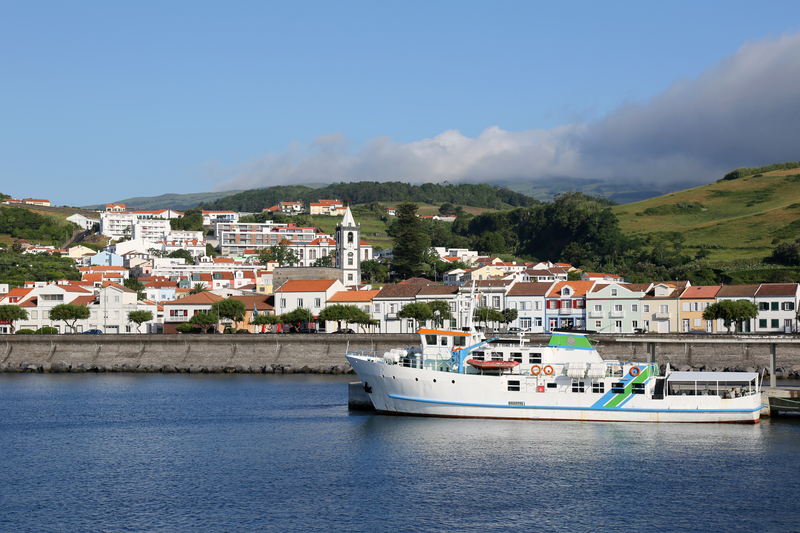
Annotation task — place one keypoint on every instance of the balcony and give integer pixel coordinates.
(616, 314)
(662, 316)
(595, 314)
(570, 311)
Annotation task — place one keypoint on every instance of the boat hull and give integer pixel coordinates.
(395, 389)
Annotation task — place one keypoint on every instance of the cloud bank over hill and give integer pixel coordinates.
(745, 111)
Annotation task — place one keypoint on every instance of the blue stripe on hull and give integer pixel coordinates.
(565, 408)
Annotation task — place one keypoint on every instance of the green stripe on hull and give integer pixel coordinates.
(621, 397)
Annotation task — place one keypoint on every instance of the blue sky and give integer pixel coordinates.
(101, 101)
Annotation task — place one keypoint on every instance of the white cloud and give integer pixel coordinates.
(743, 112)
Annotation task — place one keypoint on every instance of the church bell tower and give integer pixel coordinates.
(348, 247)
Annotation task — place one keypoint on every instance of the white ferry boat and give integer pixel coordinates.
(463, 374)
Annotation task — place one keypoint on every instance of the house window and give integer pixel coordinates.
(452, 307)
(598, 308)
(377, 308)
(696, 323)
(774, 306)
(618, 308)
(317, 302)
(525, 323)
(496, 302)
(392, 308)
(537, 306)
(598, 324)
(762, 323)
(350, 259)
(774, 323)
(645, 308)
(613, 292)
(350, 237)
(537, 322)
(283, 302)
(763, 306)
(788, 306)
(634, 308)
(565, 291)
(566, 304)
(349, 277)
(663, 309)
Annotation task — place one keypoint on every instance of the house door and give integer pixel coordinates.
(787, 325)
(685, 325)
(709, 326)
(618, 326)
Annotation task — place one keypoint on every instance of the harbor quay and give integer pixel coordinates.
(777, 356)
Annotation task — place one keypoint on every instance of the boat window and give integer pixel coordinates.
(513, 386)
(598, 387)
(516, 356)
(726, 389)
(577, 386)
(638, 388)
(443, 340)
(618, 388)
(478, 356)
(497, 356)
(459, 341)
(535, 358)
(430, 340)
(552, 385)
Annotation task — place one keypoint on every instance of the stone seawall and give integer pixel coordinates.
(188, 353)
(325, 353)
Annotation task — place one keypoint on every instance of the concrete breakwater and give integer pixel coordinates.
(272, 353)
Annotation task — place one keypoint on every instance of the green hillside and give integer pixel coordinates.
(179, 202)
(733, 218)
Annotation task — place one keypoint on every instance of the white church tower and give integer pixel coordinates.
(348, 246)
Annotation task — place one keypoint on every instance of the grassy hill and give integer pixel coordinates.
(179, 202)
(735, 219)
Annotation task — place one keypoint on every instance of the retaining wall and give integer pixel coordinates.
(320, 352)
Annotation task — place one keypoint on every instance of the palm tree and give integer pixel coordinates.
(198, 288)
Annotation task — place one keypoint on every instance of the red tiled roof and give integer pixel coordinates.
(353, 296)
(312, 285)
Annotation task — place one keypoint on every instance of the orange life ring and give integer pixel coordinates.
(535, 369)
(548, 370)
(635, 371)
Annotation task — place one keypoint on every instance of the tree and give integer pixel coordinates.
(487, 314)
(297, 316)
(418, 311)
(731, 312)
(69, 314)
(185, 327)
(324, 261)
(374, 271)
(280, 253)
(264, 319)
(139, 318)
(409, 241)
(231, 309)
(337, 313)
(509, 315)
(135, 285)
(183, 254)
(198, 288)
(10, 313)
(205, 320)
(442, 308)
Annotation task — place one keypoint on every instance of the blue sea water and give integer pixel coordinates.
(131, 452)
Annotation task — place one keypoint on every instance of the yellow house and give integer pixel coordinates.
(694, 301)
(484, 272)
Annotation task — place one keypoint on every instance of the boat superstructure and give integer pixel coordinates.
(464, 374)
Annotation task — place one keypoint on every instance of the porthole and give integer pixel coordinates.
(394, 377)
(416, 379)
(454, 381)
(434, 381)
